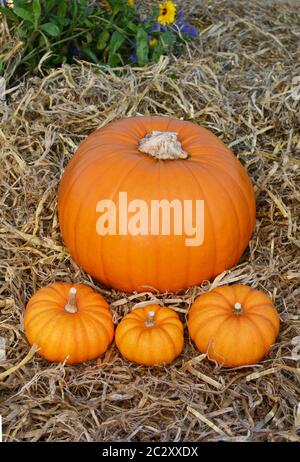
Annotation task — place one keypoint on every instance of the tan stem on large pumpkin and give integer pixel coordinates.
(163, 146)
(71, 306)
(237, 308)
(150, 319)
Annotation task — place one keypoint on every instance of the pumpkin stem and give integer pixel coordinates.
(150, 319)
(71, 306)
(163, 146)
(237, 309)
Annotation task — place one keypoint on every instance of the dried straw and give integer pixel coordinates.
(236, 80)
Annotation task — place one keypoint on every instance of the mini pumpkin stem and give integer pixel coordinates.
(71, 306)
(150, 319)
(238, 309)
(163, 146)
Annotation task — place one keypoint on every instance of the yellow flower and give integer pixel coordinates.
(130, 2)
(167, 13)
(153, 42)
(106, 4)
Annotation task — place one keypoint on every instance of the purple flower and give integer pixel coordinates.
(181, 16)
(185, 27)
(189, 30)
(158, 27)
(74, 51)
(155, 27)
(133, 57)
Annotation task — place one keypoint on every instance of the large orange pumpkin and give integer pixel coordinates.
(236, 325)
(69, 323)
(154, 159)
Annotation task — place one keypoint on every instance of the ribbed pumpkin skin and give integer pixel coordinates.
(230, 339)
(109, 162)
(82, 336)
(150, 346)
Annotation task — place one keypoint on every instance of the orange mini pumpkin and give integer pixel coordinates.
(164, 164)
(151, 335)
(236, 325)
(68, 322)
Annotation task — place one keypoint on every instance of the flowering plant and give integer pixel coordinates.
(110, 32)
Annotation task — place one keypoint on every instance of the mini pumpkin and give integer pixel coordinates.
(68, 322)
(150, 335)
(236, 325)
(155, 161)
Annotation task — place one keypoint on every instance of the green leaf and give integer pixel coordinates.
(142, 47)
(89, 24)
(1, 65)
(168, 38)
(103, 39)
(89, 37)
(50, 4)
(23, 13)
(116, 7)
(60, 21)
(131, 26)
(158, 50)
(74, 9)
(90, 54)
(18, 3)
(9, 13)
(43, 41)
(116, 42)
(50, 29)
(57, 60)
(114, 60)
(36, 6)
(62, 9)
(22, 31)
